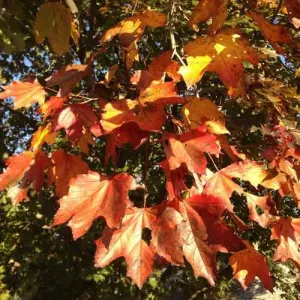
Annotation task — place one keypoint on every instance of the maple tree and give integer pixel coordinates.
(187, 131)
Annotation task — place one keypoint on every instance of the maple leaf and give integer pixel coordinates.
(17, 166)
(128, 242)
(287, 232)
(206, 9)
(293, 7)
(273, 33)
(193, 233)
(133, 27)
(174, 179)
(64, 167)
(166, 238)
(117, 113)
(25, 93)
(199, 111)
(264, 203)
(67, 77)
(24, 171)
(74, 118)
(221, 184)
(129, 133)
(51, 106)
(189, 148)
(160, 65)
(220, 237)
(54, 21)
(247, 264)
(84, 141)
(161, 93)
(223, 54)
(90, 198)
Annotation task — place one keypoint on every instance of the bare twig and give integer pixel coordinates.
(171, 31)
(135, 6)
(277, 10)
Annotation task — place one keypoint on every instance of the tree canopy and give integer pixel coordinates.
(164, 134)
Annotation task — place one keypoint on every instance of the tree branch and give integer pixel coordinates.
(171, 31)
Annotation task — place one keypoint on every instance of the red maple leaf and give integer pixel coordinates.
(89, 198)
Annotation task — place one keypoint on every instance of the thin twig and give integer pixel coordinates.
(135, 6)
(172, 34)
(213, 162)
(146, 172)
(277, 10)
(88, 101)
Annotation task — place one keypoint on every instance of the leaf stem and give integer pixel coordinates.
(146, 171)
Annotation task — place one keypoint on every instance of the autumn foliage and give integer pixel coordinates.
(204, 165)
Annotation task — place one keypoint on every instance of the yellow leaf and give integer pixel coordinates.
(54, 21)
(43, 134)
(75, 32)
(223, 54)
(195, 69)
(203, 111)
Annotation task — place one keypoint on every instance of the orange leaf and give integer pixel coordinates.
(247, 264)
(287, 232)
(25, 93)
(128, 242)
(273, 33)
(221, 184)
(161, 93)
(90, 198)
(188, 148)
(160, 65)
(204, 112)
(24, 171)
(197, 252)
(206, 9)
(51, 106)
(223, 54)
(117, 113)
(132, 28)
(264, 203)
(166, 238)
(65, 166)
(67, 77)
